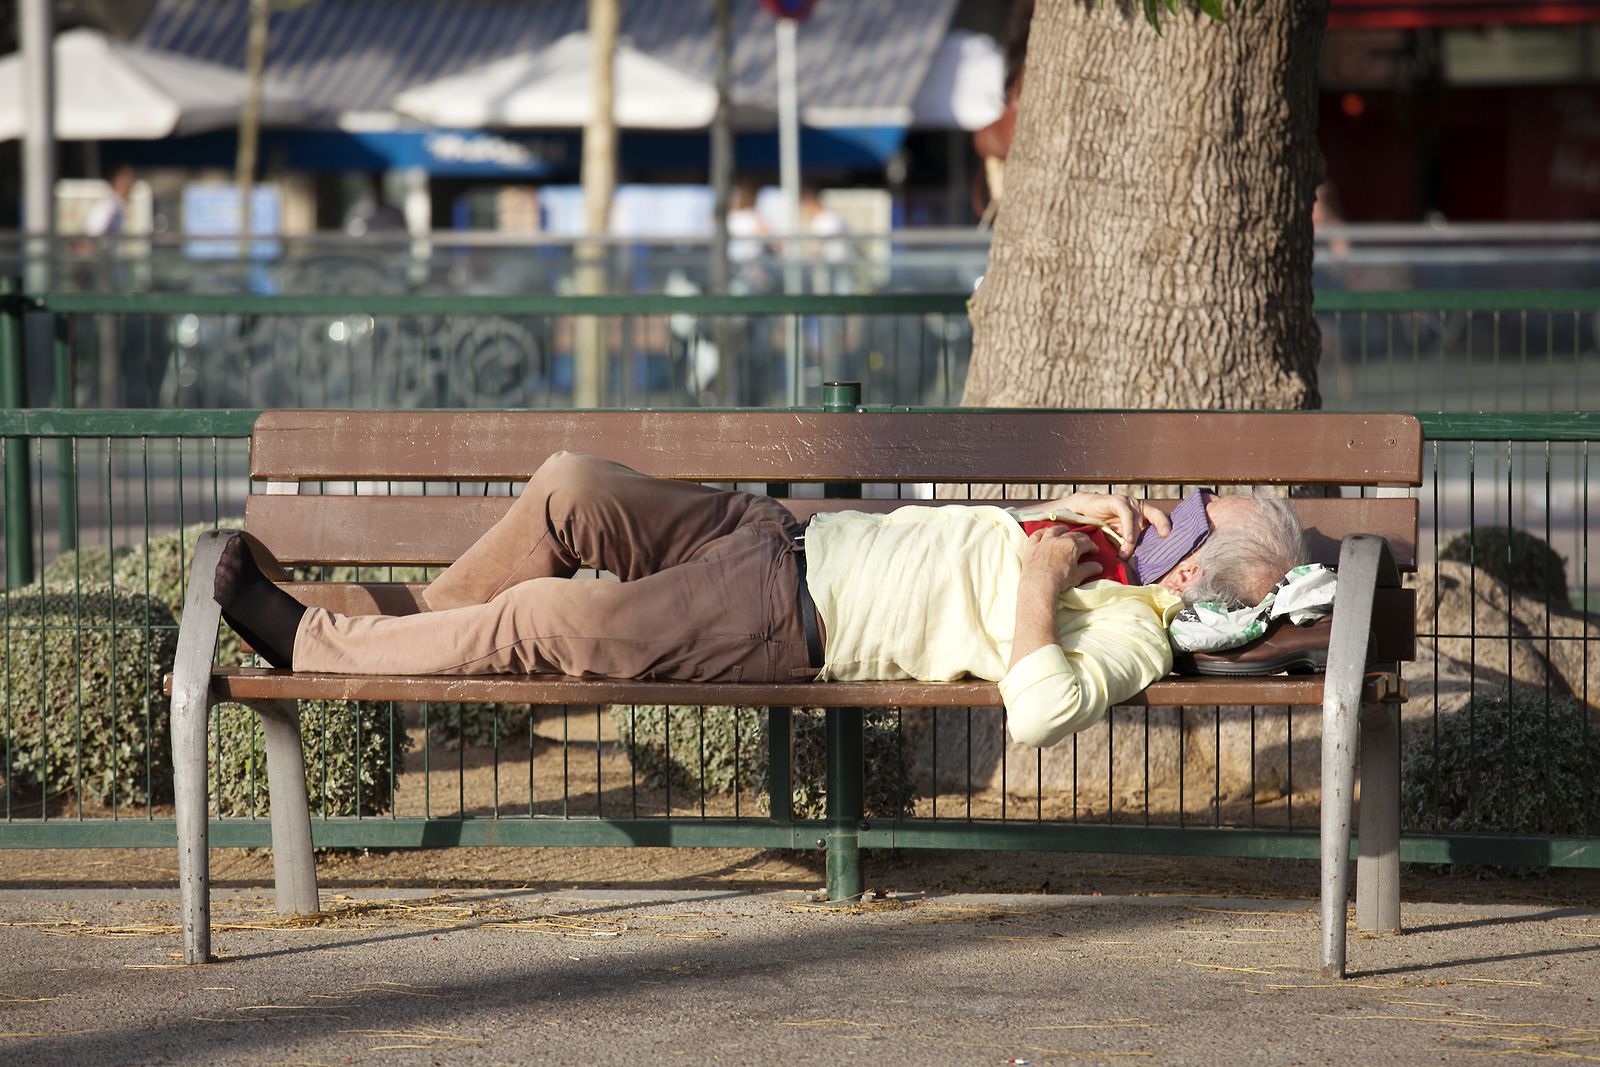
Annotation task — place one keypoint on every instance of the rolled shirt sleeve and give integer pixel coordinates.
(1106, 653)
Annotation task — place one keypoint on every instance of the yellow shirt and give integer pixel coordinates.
(930, 593)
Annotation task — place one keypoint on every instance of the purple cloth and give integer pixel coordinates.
(1155, 555)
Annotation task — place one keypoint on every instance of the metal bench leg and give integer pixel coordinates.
(846, 878)
(294, 868)
(190, 709)
(1378, 844)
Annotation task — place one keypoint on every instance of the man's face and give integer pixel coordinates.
(1221, 512)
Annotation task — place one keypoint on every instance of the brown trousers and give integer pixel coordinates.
(708, 590)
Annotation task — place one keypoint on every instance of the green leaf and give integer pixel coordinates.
(1172, 6)
(1213, 8)
(1152, 15)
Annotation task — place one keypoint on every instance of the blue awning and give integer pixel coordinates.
(519, 156)
(860, 61)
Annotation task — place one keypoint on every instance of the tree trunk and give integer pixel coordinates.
(1154, 246)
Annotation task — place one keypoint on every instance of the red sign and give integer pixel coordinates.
(789, 9)
(1419, 14)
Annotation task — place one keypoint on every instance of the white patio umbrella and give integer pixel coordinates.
(553, 89)
(964, 88)
(112, 90)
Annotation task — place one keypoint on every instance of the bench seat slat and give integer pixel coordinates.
(250, 683)
(808, 446)
(435, 530)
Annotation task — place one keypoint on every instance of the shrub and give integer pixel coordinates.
(1505, 764)
(80, 681)
(350, 752)
(1526, 564)
(733, 741)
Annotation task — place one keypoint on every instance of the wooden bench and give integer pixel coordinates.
(1368, 537)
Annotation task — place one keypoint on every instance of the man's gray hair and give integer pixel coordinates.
(1241, 558)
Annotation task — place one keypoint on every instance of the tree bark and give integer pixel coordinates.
(1154, 246)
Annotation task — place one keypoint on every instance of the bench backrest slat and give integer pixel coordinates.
(799, 446)
(437, 529)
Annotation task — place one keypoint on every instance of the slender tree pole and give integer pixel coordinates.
(599, 184)
(250, 118)
(722, 147)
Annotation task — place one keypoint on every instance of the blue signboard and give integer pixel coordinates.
(211, 209)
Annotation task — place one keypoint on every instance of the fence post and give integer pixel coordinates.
(63, 395)
(14, 395)
(846, 874)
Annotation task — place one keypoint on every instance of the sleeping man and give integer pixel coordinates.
(720, 585)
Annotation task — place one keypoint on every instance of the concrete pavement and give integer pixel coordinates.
(714, 976)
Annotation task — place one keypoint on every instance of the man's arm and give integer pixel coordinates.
(1052, 690)
(1109, 652)
(1050, 566)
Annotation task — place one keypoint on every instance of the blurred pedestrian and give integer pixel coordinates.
(108, 216)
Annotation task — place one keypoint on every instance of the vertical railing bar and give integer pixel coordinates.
(1472, 615)
(77, 656)
(1182, 769)
(1288, 766)
(1147, 762)
(1216, 788)
(1548, 577)
(1252, 766)
(1439, 480)
(969, 763)
(599, 770)
(1594, 785)
(44, 705)
(566, 758)
(149, 633)
(5, 600)
(1111, 766)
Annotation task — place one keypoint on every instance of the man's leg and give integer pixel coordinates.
(728, 615)
(579, 511)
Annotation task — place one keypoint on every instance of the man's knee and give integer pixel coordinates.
(567, 470)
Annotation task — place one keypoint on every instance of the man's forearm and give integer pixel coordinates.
(1036, 615)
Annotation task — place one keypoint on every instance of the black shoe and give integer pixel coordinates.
(1285, 647)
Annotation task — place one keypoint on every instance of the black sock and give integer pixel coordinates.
(261, 613)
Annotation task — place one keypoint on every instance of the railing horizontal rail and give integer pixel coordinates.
(1330, 300)
(421, 304)
(156, 422)
(1514, 426)
(1506, 300)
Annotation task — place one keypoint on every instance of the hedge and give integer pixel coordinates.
(354, 750)
(80, 688)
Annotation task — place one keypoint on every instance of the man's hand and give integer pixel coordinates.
(1052, 558)
(1125, 515)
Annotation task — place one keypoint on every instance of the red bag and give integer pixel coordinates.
(1112, 566)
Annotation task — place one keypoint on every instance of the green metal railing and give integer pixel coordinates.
(1196, 780)
(1449, 350)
